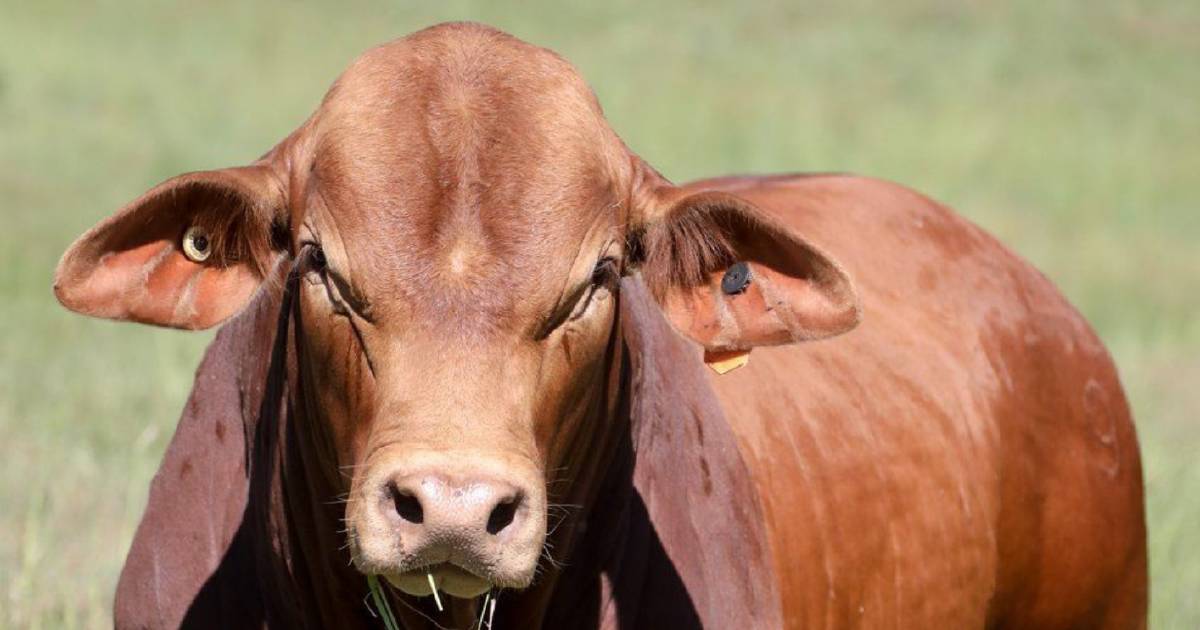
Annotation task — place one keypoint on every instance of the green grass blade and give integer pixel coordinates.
(381, 603)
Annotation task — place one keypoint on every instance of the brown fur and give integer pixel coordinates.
(461, 187)
(686, 248)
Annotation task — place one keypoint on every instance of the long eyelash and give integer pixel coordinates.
(605, 271)
(604, 275)
(316, 260)
(343, 300)
(316, 255)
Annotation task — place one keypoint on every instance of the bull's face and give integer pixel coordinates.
(457, 214)
(456, 311)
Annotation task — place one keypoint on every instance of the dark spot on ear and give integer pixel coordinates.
(316, 257)
(736, 279)
(220, 430)
(185, 469)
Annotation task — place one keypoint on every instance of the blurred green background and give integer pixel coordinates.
(1069, 129)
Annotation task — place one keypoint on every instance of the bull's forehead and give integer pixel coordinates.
(464, 172)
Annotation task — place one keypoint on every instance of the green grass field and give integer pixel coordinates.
(1069, 129)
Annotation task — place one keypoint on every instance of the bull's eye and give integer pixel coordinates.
(576, 304)
(604, 276)
(605, 271)
(316, 258)
(197, 245)
(341, 294)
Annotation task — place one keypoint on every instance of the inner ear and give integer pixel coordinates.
(187, 254)
(209, 227)
(732, 277)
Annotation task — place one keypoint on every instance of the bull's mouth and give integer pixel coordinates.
(449, 578)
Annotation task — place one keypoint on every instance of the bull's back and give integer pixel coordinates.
(964, 458)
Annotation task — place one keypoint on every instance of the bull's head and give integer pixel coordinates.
(459, 213)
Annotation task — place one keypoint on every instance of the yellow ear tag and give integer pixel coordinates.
(725, 362)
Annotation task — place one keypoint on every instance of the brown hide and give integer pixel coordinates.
(237, 534)
(692, 480)
(469, 310)
(197, 499)
(676, 530)
(964, 459)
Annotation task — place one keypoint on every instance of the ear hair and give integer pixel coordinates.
(691, 241)
(135, 266)
(249, 234)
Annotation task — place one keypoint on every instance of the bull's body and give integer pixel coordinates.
(964, 458)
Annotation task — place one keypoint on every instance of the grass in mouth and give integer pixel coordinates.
(381, 603)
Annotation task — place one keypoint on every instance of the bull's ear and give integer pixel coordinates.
(732, 278)
(187, 254)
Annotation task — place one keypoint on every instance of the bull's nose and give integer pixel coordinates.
(460, 514)
(468, 521)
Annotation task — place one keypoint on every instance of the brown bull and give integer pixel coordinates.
(467, 351)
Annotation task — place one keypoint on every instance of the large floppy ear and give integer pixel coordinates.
(731, 277)
(187, 254)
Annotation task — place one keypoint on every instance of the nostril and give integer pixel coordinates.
(407, 505)
(502, 515)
